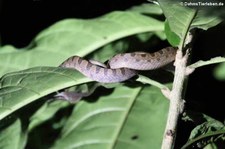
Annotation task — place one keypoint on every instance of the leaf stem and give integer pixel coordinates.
(208, 62)
(147, 80)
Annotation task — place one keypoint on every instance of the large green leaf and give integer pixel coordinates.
(82, 37)
(128, 118)
(21, 88)
(46, 49)
(179, 17)
(48, 110)
(75, 37)
(182, 19)
(12, 136)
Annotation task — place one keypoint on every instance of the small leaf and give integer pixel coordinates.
(197, 117)
(205, 128)
(206, 133)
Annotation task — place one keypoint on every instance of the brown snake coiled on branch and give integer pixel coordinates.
(122, 66)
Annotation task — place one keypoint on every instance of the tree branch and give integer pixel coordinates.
(175, 96)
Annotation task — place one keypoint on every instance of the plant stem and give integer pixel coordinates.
(176, 101)
(175, 96)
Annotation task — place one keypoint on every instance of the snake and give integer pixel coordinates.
(122, 66)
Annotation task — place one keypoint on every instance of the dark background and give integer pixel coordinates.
(21, 20)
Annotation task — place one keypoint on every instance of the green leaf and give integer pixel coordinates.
(147, 8)
(23, 87)
(12, 137)
(204, 21)
(75, 37)
(117, 120)
(208, 62)
(46, 112)
(145, 124)
(211, 146)
(219, 72)
(197, 117)
(103, 54)
(172, 38)
(206, 133)
(182, 19)
(179, 17)
(206, 128)
(137, 42)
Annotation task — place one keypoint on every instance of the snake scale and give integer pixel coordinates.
(122, 66)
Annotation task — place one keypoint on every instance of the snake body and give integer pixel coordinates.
(122, 66)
